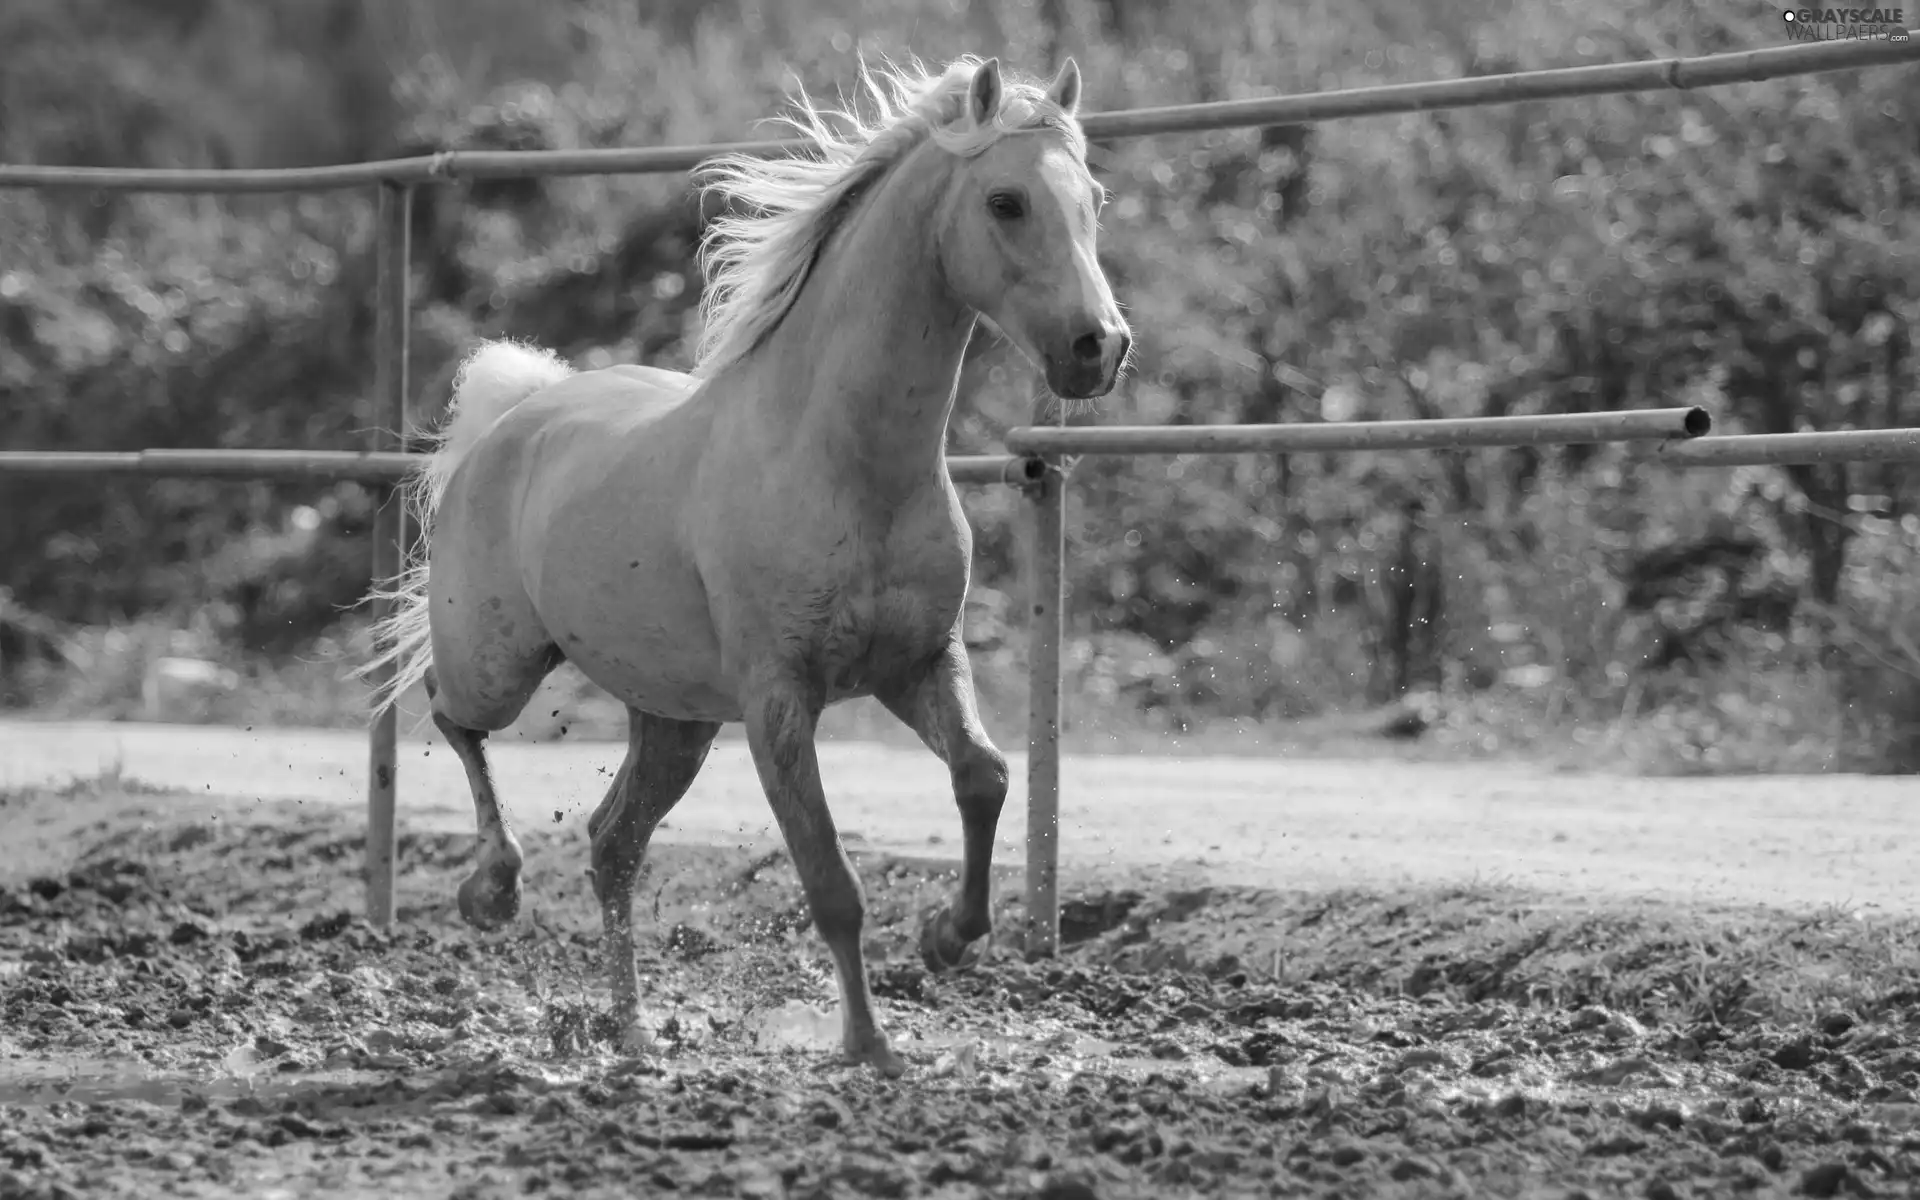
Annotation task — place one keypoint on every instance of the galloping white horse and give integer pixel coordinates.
(777, 531)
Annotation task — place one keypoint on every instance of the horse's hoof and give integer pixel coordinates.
(490, 897)
(941, 947)
(881, 1057)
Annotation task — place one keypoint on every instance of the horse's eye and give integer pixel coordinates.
(1006, 206)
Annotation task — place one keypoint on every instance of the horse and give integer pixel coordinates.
(775, 531)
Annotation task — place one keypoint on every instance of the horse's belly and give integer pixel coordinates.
(647, 667)
(652, 650)
(634, 619)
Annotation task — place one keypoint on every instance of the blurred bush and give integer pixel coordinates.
(1751, 248)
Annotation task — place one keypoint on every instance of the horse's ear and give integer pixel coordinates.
(983, 94)
(1065, 88)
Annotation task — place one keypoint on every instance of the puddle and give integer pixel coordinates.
(797, 1025)
(1058, 1053)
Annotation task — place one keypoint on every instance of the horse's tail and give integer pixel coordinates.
(494, 378)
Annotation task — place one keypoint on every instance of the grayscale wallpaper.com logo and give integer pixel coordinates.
(1845, 24)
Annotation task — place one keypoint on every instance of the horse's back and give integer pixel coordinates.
(658, 378)
(607, 402)
(575, 428)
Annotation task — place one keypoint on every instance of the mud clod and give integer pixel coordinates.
(331, 925)
(1827, 1179)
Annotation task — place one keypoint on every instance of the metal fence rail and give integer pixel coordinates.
(1036, 461)
(1680, 438)
(1707, 70)
(1444, 433)
(380, 467)
(1783, 449)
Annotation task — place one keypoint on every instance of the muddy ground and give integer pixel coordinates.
(189, 1007)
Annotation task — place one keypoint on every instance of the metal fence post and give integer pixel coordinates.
(1049, 498)
(386, 431)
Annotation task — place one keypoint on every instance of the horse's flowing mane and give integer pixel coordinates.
(756, 260)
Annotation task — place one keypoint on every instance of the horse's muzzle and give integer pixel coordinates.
(1082, 381)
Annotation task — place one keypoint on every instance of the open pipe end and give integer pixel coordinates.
(1033, 470)
(1698, 422)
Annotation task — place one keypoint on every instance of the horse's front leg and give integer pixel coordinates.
(781, 717)
(939, 705)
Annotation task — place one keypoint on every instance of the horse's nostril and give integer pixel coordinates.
(1087, 348)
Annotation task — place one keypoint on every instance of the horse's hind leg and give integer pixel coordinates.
(939, 705)
(663, 757)
(490, 653)
(490, 896)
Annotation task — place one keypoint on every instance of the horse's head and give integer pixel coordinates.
(1016, 238)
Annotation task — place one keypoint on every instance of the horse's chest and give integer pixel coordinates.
(875, 634)
(895, 606)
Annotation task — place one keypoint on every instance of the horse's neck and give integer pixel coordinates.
(866, 362)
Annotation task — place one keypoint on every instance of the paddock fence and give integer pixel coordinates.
(1039, 456)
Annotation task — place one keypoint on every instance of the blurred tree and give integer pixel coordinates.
(1752, 248)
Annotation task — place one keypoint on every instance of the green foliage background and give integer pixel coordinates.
(1751, 248)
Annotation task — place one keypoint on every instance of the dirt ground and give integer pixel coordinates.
(189, 1007)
